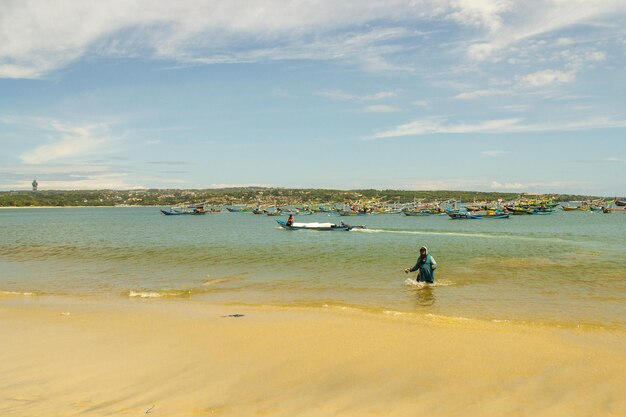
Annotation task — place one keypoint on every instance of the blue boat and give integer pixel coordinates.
(318, 226)
(181, 213)
(468, 215)
(185, 209)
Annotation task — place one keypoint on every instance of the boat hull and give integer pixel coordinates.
(178, 213)
(469, 216)
(331, 227)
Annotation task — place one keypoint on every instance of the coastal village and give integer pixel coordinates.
(266, 197)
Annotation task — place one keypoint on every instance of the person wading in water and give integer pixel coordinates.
(425, 266)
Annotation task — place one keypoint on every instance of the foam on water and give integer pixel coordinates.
(461, 234)
(412, 282)
(173, 293)
(144, 294)
(18, 293)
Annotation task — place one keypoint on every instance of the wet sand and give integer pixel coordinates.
(77, 357)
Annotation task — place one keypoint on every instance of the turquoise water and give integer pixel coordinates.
(565, 268)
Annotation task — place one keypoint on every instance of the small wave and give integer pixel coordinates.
(160, 294)
(18, 293)
(215, 281)
(395, 313)
(226, 278)
(421, 284)
(343, 307)
(142, 294)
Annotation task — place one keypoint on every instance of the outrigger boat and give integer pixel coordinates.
(422, 212)
(468, 215)
(318, 226)
(185, 209)
(536, 210)
(237, 209)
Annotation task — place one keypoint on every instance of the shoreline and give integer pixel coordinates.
(104, 357)
(62, 207)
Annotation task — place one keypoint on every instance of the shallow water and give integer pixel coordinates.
(563, 269)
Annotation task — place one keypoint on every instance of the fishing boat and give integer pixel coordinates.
(185, 209)
(318, 226)
(468, 215)
(237, 209)
(620, 203)
(522, 211)
(179, 213)
(347, 213)
(422, 212)
(518, 210)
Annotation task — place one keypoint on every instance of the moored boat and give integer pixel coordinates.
(181, 213)
(422, 212)
(185, 209)
(472, 216)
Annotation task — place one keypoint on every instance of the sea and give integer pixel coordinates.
(567, 269)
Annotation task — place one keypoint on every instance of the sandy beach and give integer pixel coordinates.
(66, 356)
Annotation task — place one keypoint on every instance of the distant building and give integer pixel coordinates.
(35, 184)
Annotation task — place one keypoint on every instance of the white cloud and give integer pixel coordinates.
(514, 125)
(481, 93)
(542, 187)
(481, 13)
(548, 76)
(507, 185)
(490, 184)
(69, 141)
(596, 56)
(421, 103)
(40, 36)
(517, 108)
(481, 51)
(345, 96)
(565, 42)
(434, 125)
(239, 185)
(494, 154)
(440, 184)
(381, 108)
(614, 159)
(530, 20)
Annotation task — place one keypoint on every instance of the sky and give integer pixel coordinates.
(485, 95)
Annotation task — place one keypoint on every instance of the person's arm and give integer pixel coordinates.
(415, 268)
(433, 263)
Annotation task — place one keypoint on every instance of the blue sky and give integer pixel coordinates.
(451, 94)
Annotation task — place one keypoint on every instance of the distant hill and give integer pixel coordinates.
(244, 195)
